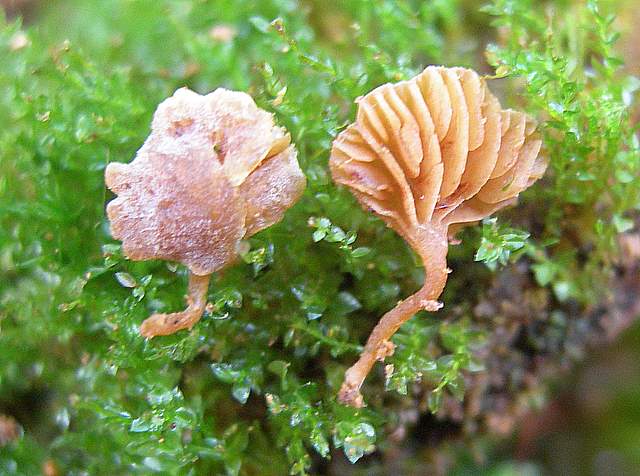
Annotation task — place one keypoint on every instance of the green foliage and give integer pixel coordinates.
(251, 389)
(416, 358)
(574, 83)
(498, 243)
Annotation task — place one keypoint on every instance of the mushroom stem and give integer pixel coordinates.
(431, 244)
(166, 324)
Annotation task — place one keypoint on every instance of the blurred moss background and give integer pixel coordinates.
(506, 380)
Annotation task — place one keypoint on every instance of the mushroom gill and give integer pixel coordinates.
(424, 154)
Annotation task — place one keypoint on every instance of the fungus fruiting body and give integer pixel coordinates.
(425, 154)
(214, 170)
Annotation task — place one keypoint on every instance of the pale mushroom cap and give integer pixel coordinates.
(240, 133)
(271, 189)
(214, 169)
(180, 210)
(436, 148)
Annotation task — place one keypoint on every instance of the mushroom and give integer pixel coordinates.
(215, 170)
(425, 154)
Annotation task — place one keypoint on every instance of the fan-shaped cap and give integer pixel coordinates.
(10, 430)
(437, 148)
(214, 169)
(424, 154)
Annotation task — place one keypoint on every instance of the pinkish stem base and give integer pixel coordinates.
(166, 324)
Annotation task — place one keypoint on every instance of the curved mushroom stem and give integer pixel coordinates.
(166, 324)
(431, 243)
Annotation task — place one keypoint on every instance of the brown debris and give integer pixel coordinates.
(425, 154)
(50, 468)
(10, 430)
(214, 170)
(223, 33)
(14, 8)
(629, 246)
(524, 350)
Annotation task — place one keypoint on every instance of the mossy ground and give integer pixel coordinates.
(251, 389)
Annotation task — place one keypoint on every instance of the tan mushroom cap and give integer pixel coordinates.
(215, 169)
(424, 154)
(437, 148)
